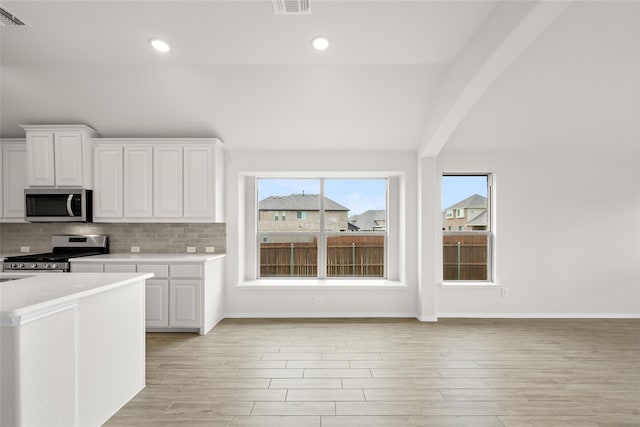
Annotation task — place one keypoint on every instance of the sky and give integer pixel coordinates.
(360, 195)
(459, 187)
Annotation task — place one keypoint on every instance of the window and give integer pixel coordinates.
(450, 213)
(467, 252)
(340, 229)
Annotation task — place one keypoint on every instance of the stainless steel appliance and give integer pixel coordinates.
(65, 247)
(58, 205)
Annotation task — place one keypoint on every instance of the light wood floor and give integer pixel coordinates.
(399, 372)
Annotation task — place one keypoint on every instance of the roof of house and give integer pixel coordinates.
(475, 201)
(373, 219)
(298, 202)
(480, 219)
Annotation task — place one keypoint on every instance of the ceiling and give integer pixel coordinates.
(241, 73)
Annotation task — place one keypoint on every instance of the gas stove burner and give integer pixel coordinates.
(65, 247)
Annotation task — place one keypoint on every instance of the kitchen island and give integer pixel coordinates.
(72, 347)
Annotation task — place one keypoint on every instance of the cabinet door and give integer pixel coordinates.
(40, 166)
(157, 303)
(68, 158)
(14, 177)
(107, 194)
(138, 164)
(198, 181)
(184, 303)
(167, 179)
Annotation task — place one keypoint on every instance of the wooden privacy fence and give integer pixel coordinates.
(298, 259)
(465, 257)
(347, 256)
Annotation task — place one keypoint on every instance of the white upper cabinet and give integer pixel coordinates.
(158, 180)
(59, 156)
(107, 194)
(13, 162)
(138, 181)
(198, 181)
(68, 152)
(167, 180)
(40, 166)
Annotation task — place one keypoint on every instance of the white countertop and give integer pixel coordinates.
(3, 256)
(136, 257)
(39, 294)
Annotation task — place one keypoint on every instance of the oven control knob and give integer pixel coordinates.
(22, 265)
(46, 265)
(34, 265)
(54, 266)
(14, 265)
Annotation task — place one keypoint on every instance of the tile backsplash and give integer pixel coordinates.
(150, 237)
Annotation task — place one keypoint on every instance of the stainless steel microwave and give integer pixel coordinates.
(58, 205)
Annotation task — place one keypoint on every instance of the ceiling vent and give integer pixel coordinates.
(9, 19)
(291, 7)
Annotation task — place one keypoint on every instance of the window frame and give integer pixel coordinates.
(322, 234)
(490, 232)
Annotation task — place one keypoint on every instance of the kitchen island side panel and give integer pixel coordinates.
(111, 352)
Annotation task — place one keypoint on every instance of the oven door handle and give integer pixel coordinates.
(69, 210)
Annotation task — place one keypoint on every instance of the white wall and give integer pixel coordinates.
(244, 300)
(567, 235)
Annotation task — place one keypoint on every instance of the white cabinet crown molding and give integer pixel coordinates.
(71, 127)
(170, 141)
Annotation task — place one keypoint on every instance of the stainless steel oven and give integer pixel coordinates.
(65, 247)
(58, 205)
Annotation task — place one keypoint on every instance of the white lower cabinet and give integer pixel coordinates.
(181, 296)
(184, 299)
(157, 303)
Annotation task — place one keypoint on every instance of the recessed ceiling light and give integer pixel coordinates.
(159, 45)
(320, 43)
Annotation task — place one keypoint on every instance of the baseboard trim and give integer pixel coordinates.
(316, 315)
(434, 318)
(542, 315)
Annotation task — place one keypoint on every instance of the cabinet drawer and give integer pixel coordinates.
(87, 268)
(186, 270)
(119, 268)
(160, 270)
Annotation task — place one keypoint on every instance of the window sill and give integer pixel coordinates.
(322, 284)
(469, 285)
